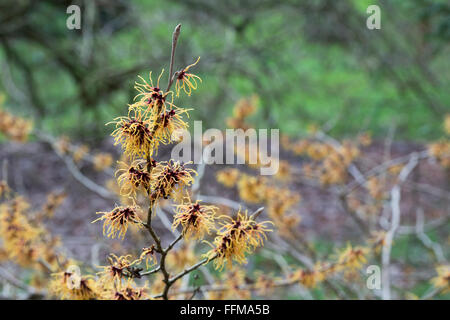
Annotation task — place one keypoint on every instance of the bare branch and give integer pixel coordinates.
(395, 223)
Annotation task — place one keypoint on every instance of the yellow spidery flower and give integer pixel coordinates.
(62, 145)
(333, 169)
(134, 134)
(318, 151)
(80, 153)
(377, 240)
(441, 151)
(54, 200)
(365, 139)
(134, 177)
(375, 187)
(18, 235)
(170, 122)
(13, 127)
(116, 269)
(287, 224)
(280, 204)
(169, 178)
(243, 109)
(300, 147)
(228, 177)
(442, 280)
(352, 258)
(252, 189)
(148, 254)
(117, 220)
(264, 284)
(102, 161)
(147, 89)
(284, 171)
(187, 81)
(24, 238)
(349, 152)
(196, 219)
(151, 98)
(309, 278)
(280, 201)
(237, 238)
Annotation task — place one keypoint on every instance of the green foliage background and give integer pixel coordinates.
(311, 62)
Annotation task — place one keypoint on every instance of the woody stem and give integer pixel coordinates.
(176, 34)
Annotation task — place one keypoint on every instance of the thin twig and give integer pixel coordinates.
(257, 213)
(6, 275)
(395, 223)
(383, 167)
(76, 173)
(431, 294)
(427, 242)
(182, 274)
(147, 273)
(221, 201)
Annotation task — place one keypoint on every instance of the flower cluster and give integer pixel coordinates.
(196, 219)
(187, 81)
(13, 127)
(243, 109)
(442, 280)
(279, 200)
(236, 238)
(25, 238)
(153, 119)
(117, 220)
(441, 151)
(149, 264)
(169, 178)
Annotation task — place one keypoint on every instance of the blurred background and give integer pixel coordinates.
(314, 65)
(310, 62)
